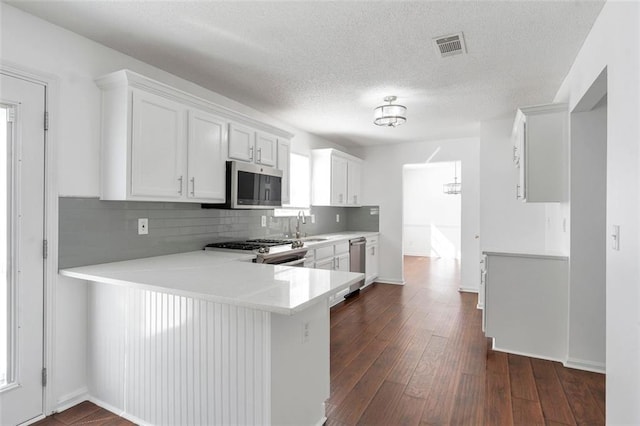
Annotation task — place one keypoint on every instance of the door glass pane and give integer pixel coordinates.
(4, 244)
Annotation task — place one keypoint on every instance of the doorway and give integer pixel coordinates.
(432, 214)
(22, 264)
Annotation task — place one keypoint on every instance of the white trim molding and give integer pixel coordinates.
(582, 364)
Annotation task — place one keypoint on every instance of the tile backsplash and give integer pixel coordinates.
(93, 231)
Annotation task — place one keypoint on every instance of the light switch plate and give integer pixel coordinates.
(337, 218)
(615, 237)
(313, 218)
(143, 226)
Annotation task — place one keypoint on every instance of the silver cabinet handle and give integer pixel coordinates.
(250, 153)
(373, 251)
(193, 186)
(259, 155)
(180, 179)
(338, 262)
(517, 191)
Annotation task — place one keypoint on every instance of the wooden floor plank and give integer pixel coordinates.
(555, 405)
(422, 380)
(523, 384)
(497, 406)
(379, 410)
(468, 408)
(581, 399)
(526, 412)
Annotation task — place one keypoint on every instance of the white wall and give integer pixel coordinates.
(614, 43)
(507, 224)
(432, 219)
(587, 273)
(74, 61)
(382, 177)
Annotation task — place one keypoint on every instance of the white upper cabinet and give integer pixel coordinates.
(241, 142)
(336, 178)
(284, 164)
(162, 144)
(247, 144)
(207, 148)
(266, 149)
(339, 174)
(540, 138)
(157, 147)
(353, 182)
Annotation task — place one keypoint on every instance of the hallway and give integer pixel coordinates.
(416, 354)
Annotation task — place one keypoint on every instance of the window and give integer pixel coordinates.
(299, 186)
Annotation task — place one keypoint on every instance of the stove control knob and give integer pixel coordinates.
(263, 249)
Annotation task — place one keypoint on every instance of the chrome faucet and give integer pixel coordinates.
(300, 216)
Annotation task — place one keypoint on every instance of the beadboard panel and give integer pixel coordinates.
(169, 360)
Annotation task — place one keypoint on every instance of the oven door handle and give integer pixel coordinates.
(296, 262)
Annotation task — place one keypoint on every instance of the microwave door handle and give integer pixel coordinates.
(267, 194)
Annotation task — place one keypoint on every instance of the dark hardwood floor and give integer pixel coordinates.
(85, 413)
(416, 355)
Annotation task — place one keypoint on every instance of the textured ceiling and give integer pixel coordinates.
(323, 66)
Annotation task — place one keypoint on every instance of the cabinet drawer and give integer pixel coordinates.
(324, 252)
(342, 248)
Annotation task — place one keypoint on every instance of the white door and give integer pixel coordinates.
(157, 147)
(22, 153)
(207, 152)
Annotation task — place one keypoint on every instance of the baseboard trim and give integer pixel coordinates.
(468, 290)
(581, 364)
(390, 281)
(118, 411)
(527, 354)
(71, 399)
(480, 306)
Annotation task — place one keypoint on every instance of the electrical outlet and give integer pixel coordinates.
(263, 221)
(313, 218)
(305, 332)
(337, 218)
(143, 226)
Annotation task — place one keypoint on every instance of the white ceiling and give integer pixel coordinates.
(323, 66)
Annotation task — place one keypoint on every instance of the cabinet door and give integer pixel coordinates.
(342, 262)
(284, 159)
(241, 142)
(371, 265)
(157, 147)
(338, 181)
(354, 171)
(207, 153)
(266, 147)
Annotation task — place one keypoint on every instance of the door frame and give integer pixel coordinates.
(50, 82)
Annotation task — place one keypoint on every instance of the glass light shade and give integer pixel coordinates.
(389, 115)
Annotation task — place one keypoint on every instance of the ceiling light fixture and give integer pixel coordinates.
(455, 187)
(390, 115)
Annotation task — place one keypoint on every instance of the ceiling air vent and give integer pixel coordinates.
(450, 45)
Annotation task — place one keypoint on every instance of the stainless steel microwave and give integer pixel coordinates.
(251, 186)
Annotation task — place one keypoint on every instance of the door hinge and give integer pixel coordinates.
(11, 115)
(46, 120)
(44, 377)
(45, 249)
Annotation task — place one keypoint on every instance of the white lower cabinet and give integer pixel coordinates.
(526, 304)
(372, 261)
(336, 258)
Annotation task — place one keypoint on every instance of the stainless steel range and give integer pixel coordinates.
(272, 251)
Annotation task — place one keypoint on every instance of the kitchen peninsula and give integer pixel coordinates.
(209, 337)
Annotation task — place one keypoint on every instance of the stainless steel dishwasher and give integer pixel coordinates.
(357, 260)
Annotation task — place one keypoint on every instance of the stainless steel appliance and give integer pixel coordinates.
(357, 259)
(251, 186)
(271, 251)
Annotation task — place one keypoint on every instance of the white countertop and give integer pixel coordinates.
(545, 254)
(223, 277)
